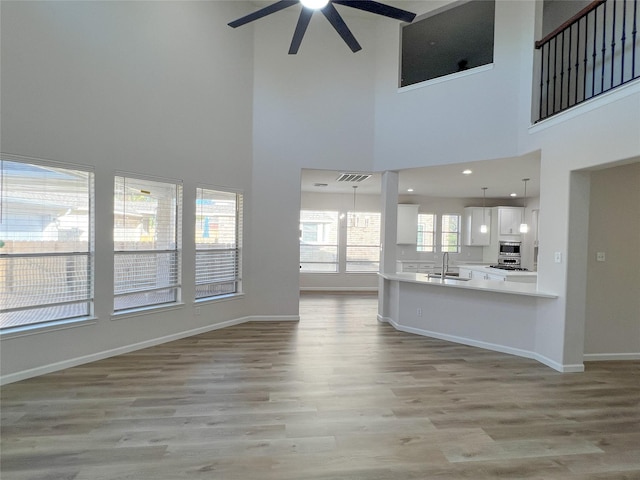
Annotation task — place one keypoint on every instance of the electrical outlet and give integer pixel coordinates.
(557, 257)
(600, 256)
(419, 312)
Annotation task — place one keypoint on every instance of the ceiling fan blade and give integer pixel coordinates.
(263, 12)
(378, 8)
(301, 28)
(338, 23)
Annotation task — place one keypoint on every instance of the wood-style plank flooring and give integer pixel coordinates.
(336, 396)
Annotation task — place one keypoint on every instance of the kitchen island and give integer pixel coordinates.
(491, 314)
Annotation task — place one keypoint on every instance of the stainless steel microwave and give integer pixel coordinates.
(509, 249)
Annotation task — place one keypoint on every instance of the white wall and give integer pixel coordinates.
(311, 110)
(613, 304)
(140, 87)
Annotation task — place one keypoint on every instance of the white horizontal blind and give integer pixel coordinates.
(426, 232)
(363, 242)
(217, 236)
(46, 242)
(147, 242)
(318, 241)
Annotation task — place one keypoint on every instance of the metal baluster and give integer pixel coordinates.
(586, 42)
(622, 39)
(561, 69)
(548, 69)
(604, 47)
(569, 68)
(613, 41)
(593, 56)
(633, 35)
(541, 82)
(555, 75)
(575, 96)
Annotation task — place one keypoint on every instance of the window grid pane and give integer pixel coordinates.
(318, 241)
(217, 246)
(363, 242)
(46, 247)
(147, 226)
(426, 232)
(451, 233)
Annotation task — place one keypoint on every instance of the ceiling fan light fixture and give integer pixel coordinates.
(314, 4)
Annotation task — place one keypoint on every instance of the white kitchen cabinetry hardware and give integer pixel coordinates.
(509, 220)
(474, 217)
(415, 267)
(407, 224)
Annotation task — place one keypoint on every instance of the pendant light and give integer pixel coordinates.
(524, 228)
(354, 220)
(483, 227)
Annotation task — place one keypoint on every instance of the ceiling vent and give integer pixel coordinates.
(353, 177)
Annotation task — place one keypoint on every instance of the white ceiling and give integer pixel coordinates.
(501, 177)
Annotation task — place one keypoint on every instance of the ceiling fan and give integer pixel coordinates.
(329, 11)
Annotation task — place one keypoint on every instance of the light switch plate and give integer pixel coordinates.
(600, 256)
(557, 257)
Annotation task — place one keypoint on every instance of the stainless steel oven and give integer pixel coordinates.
(509, 253)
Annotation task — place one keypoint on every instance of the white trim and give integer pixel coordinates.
(46, 327)
(73, 362)
(274, 318)
(446, 78)
(339, 289)
(602, 357)
(486, 345)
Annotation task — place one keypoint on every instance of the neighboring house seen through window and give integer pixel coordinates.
(450, 233)
(426, 232)
(363, 242)
(318, 241)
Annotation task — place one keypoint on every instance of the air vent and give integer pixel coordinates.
(352, 177)
(320, 184)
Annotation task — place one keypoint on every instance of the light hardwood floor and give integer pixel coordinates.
(337, 396)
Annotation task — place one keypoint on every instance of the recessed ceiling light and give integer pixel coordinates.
(467, 172)
(409, 189)
(514, 194)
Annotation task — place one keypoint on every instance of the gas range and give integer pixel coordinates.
(509, 267)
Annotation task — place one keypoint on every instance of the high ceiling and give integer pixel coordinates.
(501, 177)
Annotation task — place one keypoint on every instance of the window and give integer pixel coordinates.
(454, 40)
(318, 241)
(363, 242)
(217, 235)
(451, 233)
(46, 242)
(147, 242)
(426, 232)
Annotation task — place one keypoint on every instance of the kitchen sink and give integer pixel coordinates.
(447, 277)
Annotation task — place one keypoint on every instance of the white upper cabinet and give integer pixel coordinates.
(474, 217)
(509, 220)
(407, 224)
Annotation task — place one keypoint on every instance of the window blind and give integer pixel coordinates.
(46, 242)
(217, 236)
(147, 242)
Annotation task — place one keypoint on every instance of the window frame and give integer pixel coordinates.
(87, 272)
(336, 263)
(176, 251)
(352, 218)
(444, 232)
(237, 249)
(420, 246)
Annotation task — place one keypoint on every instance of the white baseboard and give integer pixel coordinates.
(339, 289)
(486, 345)
(602, 357)
(74, 362)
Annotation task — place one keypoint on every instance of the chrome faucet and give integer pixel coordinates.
(445, 264)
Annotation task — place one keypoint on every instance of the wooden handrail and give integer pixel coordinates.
(592, 6)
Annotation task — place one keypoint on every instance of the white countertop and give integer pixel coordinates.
(495, 286)
(497, 271)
